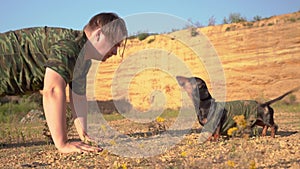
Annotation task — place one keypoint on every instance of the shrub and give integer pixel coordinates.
(132, 37)
(257, 18)
(235, 18)
(249, 24)
(142, 36)
(194, 32)
(225, 21)
(292, 99)
(292, 19)
(227, 29)
(14, 111)
(212, 21)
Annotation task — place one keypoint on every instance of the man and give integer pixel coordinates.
(51, 58)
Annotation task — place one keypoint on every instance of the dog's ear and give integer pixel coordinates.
(202, 89)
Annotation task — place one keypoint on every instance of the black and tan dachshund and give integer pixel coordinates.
(217, 117)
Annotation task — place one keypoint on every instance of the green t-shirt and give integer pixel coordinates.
(25, 54)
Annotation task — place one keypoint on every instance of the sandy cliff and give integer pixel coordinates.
(257, 60)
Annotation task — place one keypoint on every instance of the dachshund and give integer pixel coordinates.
(217, 117)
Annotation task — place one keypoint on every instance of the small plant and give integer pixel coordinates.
(183, 154)
(157, 126)
(232, 131)
(249, 24)
(142, 36)
(292, 99)
(241, 127)
(234, 18)
(257, 18)
(132, 37)
(174, 30)
(160, 119)
(230, 164)
(225, 21)
(212, 21)
(252, 165)
(194, 32)
(292, 19)
(14, 111)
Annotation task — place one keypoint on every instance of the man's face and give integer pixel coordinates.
(107, 47)
(112, 51)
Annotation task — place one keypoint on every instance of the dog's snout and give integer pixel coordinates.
(181, 80)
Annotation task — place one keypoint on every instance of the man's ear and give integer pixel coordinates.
(98, 34)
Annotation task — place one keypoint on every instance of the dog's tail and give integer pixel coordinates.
(280, 97)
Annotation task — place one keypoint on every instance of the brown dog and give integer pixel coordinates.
(217, 117)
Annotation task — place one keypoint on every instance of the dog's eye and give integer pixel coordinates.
(200, 86)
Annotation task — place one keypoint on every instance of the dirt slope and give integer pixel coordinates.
(260, 61)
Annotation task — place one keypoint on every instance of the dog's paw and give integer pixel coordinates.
(205, 136)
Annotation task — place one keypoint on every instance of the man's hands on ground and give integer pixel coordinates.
(81, 132)
(79, 147)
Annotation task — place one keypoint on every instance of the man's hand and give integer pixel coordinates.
(54, 103)
(81, 132)
(79, 147)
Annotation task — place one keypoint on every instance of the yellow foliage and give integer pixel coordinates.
(124, 166)
(240, 121)
(119, 165)
(183, 154)
(231, 131)
(252, 165)
(230, 163)
(160, 119)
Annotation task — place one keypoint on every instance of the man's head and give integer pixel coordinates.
(106, 32)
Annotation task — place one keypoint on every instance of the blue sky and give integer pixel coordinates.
(141, 15)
